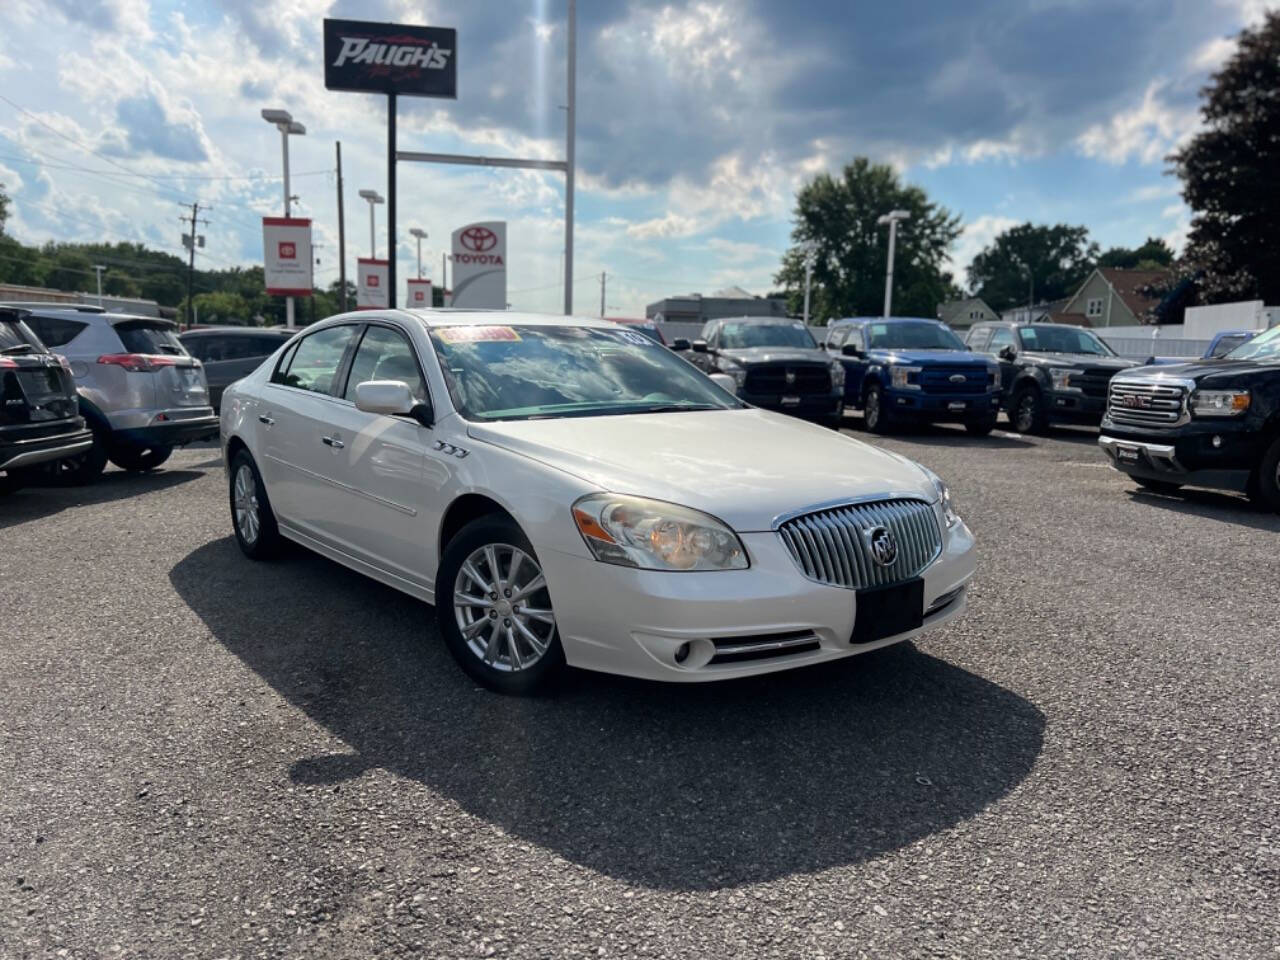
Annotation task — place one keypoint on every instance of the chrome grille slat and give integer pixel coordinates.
(830, 546)
(1164, 404)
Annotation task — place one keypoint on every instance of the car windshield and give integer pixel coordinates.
(741, 336)
(526, 372)
(1051, 339)
(1265, 346)
(912, 336)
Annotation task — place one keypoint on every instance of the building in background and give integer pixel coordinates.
(731, 302)
(1113, 297)
(144, 308)
(962, 314)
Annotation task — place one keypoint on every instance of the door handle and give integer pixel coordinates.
(333, 442)
(267, 420)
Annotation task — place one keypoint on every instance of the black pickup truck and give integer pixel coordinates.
(39, 415)
(1209, 423)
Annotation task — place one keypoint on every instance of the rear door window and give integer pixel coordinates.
(142, 336)
(314, 362)
(978, 339)
(55, 331)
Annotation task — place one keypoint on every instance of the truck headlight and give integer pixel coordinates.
(653, 535)
(948, 508)
(1060, 378)
(837, 375)
(900, 377)
(993, 372)
(1219, 403)
(739, 373)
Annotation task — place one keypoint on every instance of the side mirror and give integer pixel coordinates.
(851, 350)
(392, 398)
(1007, 353)
(699, 346)
(725, 383)
(680, 343)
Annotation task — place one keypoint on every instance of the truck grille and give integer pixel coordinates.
(938, 379)
(830, 546)
(791, 379)
(1147, 403)
(1093, 383)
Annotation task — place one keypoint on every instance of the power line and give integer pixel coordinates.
(170, 176)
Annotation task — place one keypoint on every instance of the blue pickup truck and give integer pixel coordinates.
(909, 369)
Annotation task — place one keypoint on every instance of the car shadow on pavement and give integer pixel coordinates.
(681, 787)
(36, 502)
(1211, 505)
(932, 435)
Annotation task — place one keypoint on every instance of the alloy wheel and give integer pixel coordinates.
(502, 607)
(245, 502)
(1026, 413)
(871, 413)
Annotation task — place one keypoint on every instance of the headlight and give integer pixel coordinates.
(837, 374)
(993, 372)
(1059, 376)
(738, 373)
(900, 377)
(948, 508)
(652, 535)
(1219, 403)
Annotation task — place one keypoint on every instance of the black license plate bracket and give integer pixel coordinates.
(888, 611)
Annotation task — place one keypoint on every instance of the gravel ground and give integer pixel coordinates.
(206, 757)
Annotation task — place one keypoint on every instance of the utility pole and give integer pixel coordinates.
(809, 254)
(191, 252)
(98, 270)
(603, 275)
(570, 138)
(342, 239)
(444, 277)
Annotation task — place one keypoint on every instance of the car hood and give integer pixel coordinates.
(926, 358)
(750, 355)
(746, 467)
(1092, 361)
(1224, 372)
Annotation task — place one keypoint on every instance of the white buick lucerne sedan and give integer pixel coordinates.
(567, 491)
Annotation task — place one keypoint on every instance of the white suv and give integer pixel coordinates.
(569, 491)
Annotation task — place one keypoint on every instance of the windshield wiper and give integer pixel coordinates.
(19, 348)
(677, 407)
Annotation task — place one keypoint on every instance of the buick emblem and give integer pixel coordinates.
(957, 378)
(790, 377)
(478, 239)
(884, 549)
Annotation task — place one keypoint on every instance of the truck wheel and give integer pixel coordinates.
(1027, 413)
(1264, 486)
(1157, 486)
(874, 415)
(139, 459)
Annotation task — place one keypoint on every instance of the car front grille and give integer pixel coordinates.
(790, 379)
(1093, 383)
(1147, 403)
(939, 379)
(765, 646)
(831, 546)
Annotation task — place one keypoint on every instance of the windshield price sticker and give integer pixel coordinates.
(477, 334)
(630, 336)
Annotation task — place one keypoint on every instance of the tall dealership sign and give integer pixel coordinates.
(391, 58)
(419, 294)
(286, 247)
(480, 266)
(373, 286)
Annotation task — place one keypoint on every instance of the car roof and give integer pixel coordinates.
(758, 321)
(51, 305)
(844, 320)
(236, 328)
(456, 317)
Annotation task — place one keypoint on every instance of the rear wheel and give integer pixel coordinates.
(251, 514)
(83, 467)
(874, 414)
(1157, 486)
(139, 459)
(494, 609)
(1027, 412)
(1264, 486)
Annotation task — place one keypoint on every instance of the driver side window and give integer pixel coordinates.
(384, 354)
(855, 338)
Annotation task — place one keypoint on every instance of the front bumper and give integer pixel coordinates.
(941, 407)
(1191, 460)
(1064, 407)
(633, 622)
(803, 405)
(27, 453)
(174, 428)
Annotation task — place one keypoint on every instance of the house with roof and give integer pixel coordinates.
(1112, 297)
(962, 314)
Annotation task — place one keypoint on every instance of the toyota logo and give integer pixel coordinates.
(478, 239)
(884, 549)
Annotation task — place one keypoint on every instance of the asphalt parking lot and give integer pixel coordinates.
(205, 757)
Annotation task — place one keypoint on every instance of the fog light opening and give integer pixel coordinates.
(1217, 442)
(682, 653)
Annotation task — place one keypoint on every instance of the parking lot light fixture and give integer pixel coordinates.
(419, 234)
(374, 199)
(283, 121)
(893, 218)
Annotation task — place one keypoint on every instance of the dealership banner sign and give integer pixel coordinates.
(286, 254)
(480, 266)
(419, 294)
(372, 284)
(391, 58)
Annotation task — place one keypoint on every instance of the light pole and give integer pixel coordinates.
(810, 255)
(374, 199)
(892, 219)
(283, 121)
(419, 235)
(98, 270)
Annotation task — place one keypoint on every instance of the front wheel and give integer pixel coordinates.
(874, 415)
(139, 459)
(1027, 412)
(494, 609)
(980, 428)
(1264, 486)
(252, 518)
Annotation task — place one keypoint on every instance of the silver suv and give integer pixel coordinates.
(140, 392)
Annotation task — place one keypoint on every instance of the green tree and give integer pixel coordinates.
(838, 215)
(1152, 255)
(1058, 257)
(219, 307)
(72, 269)
(1228, 174)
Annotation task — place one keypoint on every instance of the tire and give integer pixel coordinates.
(1027, 413)
(1264, 485)
(874, 415)
(835, 421)
(501, 656)
(980, 428)
(83, 467)
(1157, 486)
(252, 518)
(139, 459)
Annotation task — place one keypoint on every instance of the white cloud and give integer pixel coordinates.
(977, 234)
(1155, 191)
(1147, 132)
(1212, 54)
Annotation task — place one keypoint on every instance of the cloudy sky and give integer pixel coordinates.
(697, 121)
